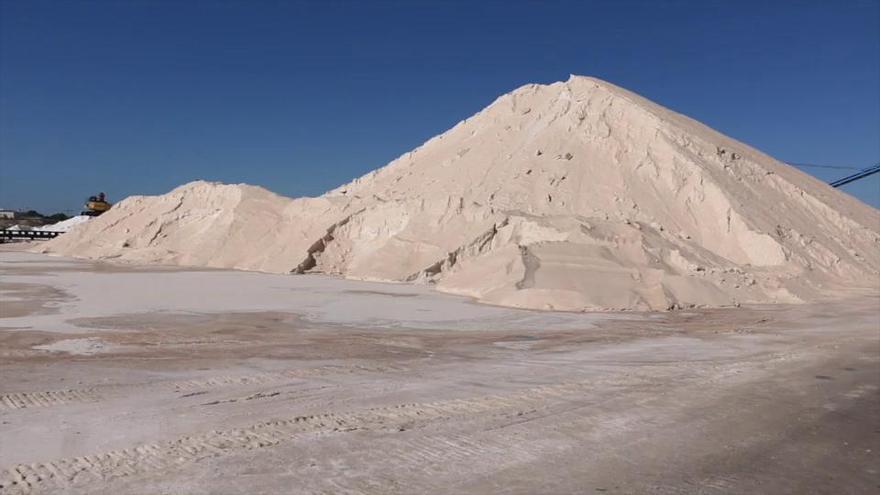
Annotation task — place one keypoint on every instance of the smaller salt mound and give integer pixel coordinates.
(203, 224)
(64, 225)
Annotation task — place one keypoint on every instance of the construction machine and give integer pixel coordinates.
(96, 205)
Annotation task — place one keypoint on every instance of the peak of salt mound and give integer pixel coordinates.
(575, 195)
(216, 187)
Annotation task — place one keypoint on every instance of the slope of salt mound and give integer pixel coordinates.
(577, 195)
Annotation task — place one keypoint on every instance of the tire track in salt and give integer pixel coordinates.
(161, 456)
(26, 400)
(54, 398)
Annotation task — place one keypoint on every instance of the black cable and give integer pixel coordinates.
(814, 165)
(856, 176)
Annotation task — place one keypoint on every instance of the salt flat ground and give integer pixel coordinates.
(118, 379)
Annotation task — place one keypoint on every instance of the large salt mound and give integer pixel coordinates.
(577, 195)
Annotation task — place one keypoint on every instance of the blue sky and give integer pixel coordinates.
(137, 97)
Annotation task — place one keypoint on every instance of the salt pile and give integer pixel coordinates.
(577, 195)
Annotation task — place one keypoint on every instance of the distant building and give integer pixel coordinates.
(7, 214)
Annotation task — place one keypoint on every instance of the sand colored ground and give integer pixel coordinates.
(170, 393)
(577, 195)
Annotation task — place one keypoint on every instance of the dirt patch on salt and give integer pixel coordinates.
(85, 347)
(22, 299)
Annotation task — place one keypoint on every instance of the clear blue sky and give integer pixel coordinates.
(137, 97)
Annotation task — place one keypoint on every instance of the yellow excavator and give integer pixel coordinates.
(96, 205)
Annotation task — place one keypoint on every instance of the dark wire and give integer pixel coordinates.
(814, 165)
(856, 176)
